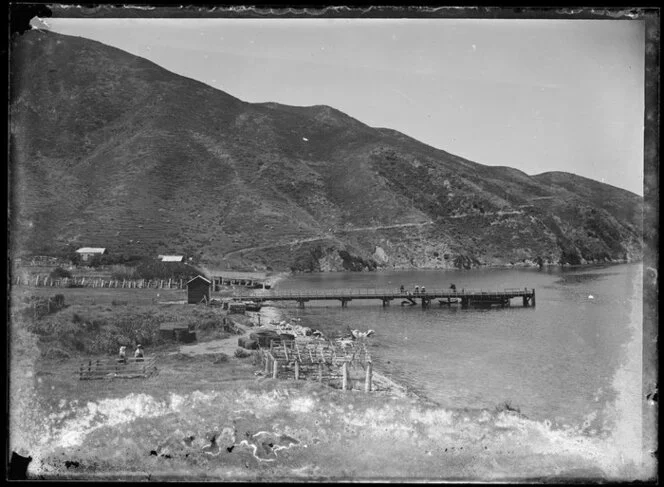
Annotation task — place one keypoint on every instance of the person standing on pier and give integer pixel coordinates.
(138, 354)
(401, 289)
(417, 289)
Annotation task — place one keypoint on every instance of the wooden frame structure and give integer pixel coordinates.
(347, 366)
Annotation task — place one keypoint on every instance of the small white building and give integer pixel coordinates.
(171, 258)
(87, 253)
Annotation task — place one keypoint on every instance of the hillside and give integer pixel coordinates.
(109, 149)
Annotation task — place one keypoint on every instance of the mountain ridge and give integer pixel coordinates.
(110, 149)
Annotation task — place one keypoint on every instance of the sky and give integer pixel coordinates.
(536, 95)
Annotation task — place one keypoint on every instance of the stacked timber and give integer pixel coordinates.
(248, 343)
(237, 308)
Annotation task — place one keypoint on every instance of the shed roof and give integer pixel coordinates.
(237, 275)
(171, 258)
(199, 277)
(91, 250)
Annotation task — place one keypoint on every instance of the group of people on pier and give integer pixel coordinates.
(421, 290)
(418, 290)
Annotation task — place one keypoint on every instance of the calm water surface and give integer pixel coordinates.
(555, 361)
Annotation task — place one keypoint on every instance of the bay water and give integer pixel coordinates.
(556, 362)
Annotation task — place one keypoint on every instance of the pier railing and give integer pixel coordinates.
(464, 296)
(378, 293)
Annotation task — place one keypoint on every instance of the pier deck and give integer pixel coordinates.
(465, 297)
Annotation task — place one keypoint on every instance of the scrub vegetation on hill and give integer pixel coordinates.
(109, 149)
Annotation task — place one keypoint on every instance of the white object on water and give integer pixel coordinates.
(590, 296)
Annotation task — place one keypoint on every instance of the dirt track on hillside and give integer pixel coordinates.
(329, 236)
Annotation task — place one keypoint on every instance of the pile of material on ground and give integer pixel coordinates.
(262, 336)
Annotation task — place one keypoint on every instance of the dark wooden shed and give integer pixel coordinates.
(198, 289)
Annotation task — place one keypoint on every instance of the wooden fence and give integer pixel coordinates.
(46, 281)
(116, 369)
(345, 367)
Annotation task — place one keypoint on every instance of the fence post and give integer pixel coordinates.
(275, 368)
(320, 372)
(367, 380)
(297, 370)
(267, 363)
(169, 283)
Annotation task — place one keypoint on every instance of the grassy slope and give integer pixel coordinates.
(109, 149)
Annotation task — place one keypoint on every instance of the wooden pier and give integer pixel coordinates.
(448, 297)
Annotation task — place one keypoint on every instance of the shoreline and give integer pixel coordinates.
(286, 274)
